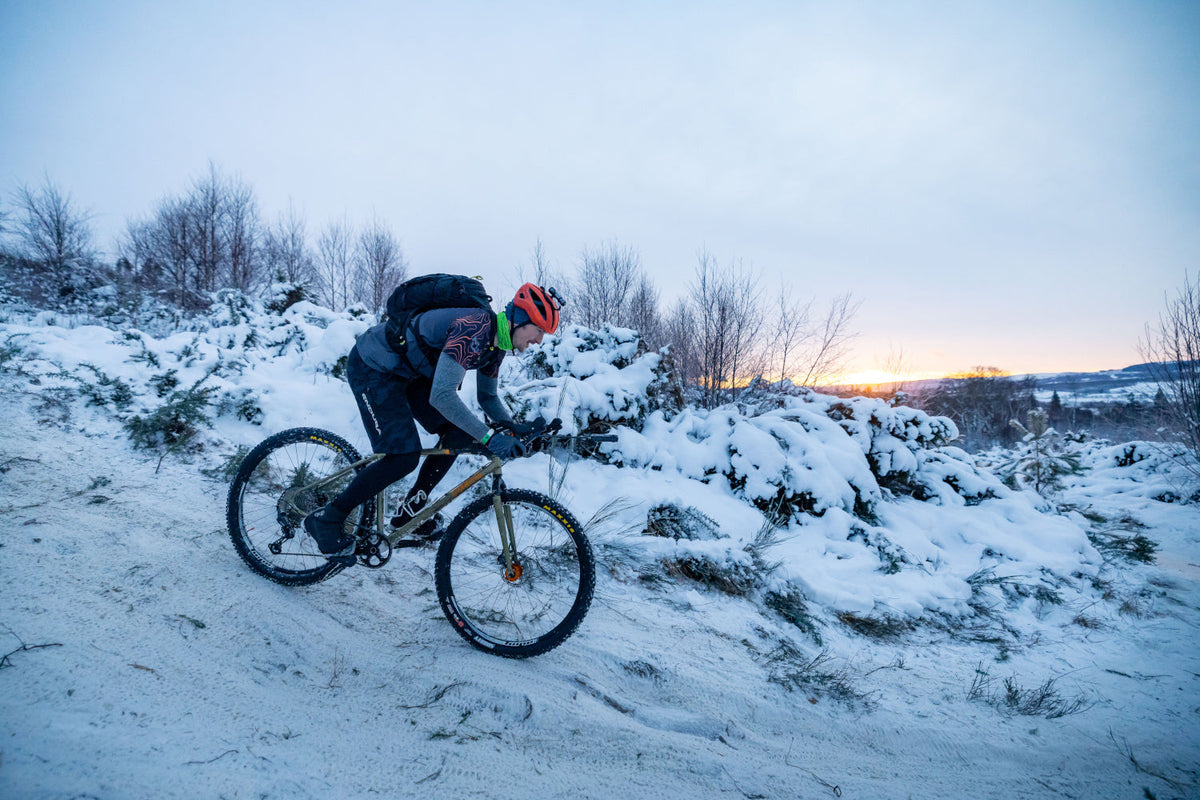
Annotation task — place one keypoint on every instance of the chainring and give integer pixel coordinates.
(373, 551)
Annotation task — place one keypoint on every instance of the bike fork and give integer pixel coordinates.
(508, 540)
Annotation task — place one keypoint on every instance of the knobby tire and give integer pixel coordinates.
(290, 458)
(537, 611)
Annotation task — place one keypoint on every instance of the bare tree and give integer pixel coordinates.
(53, 232)
(896, 366)
(287, 254)
(643, 315)
(242, 236)
(161, 252)
(541, 271)
(335, 264)
(604, 285)
(198, 242)
(830, 339)
(728, 321)
(544, 273)
(1172, 346)
(746, 321)
(205, 209)
(380, 265)
(983, 401)
(679, 332)
(791, 330)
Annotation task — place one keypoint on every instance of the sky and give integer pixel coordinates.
(1009, 184)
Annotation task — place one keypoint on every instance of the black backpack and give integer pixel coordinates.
(423, 293)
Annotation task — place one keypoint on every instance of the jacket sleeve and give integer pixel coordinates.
(443, 396)
(486, 390)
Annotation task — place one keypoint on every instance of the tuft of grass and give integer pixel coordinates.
(1140, 605)
(731, 578)
(793, 606)
(1135, 548)
(794, 670)
(1044, 700)
(882, 627)
(642, 669)
(613, 538)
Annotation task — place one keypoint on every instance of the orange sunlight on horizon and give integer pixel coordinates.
(876, 377)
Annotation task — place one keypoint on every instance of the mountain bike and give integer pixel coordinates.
(514, 571)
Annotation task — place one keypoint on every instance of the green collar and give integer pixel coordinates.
(503, 332)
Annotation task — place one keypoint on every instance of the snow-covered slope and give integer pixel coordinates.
(844, 603)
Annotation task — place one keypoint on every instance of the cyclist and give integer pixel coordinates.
(393, 394)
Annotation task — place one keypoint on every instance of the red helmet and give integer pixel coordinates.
(540, 305)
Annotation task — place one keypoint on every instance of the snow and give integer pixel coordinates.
(177, 672)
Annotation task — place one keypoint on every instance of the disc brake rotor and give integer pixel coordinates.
(297, 503)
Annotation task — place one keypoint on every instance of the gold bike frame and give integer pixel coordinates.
(494, 468)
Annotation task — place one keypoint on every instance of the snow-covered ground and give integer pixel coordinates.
(887, 654)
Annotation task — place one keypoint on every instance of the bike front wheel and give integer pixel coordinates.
(277, 485)
(531, 607)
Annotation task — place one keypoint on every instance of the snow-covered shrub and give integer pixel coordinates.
(595, 379)
(10, 349)
(705, 556)
(1040, 460)
(1157, 470)
(891, 557)
(791, 461)
(175, 422)
(1130, 455)
(282, 296)
(681, 522)
(243, 404)
(104, 390)
(242, 362)
(814, 454)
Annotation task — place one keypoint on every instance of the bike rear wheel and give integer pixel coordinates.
(532, 609)
(271, 494)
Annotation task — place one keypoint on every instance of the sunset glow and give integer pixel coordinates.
(875, 377)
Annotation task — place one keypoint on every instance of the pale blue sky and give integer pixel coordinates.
(1013, 183)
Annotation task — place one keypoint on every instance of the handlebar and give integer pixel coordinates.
(580, 437)
(546, 438)
(550, 435)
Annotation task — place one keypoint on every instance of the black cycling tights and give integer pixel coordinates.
(393, 467)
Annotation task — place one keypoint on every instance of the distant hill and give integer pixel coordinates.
(1115, 385)
(1138, 381)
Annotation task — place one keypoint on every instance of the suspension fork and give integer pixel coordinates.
(504, 523)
